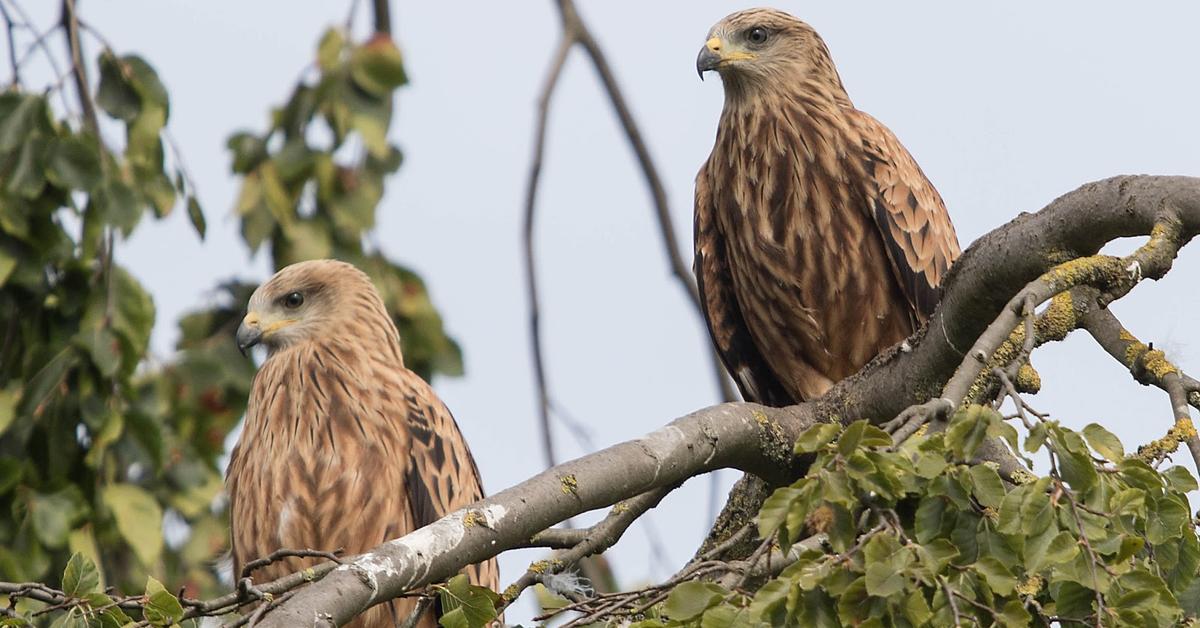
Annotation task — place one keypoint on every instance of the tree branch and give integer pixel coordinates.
(70, 24)
(594, 540)
(1149, 367)
(12, 44)
(531, 188)
(383, 16)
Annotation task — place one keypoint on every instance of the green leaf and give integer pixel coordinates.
(775, 510)
(1036, 438)
(689, 599)
(1063, 547)
(986, 485)
(74, 163)
(916, 608)
(377, 66)
(28, 177)
(1166, 519)
(1074, 460)
(139, 519)
(1138, 473)
(1036, 512)
(1179, 478)
(466, 605)
(1104, 442)
(999, 578)
(769, 597)
(330, 49)
(21, 113)
(1014, 615)
(1130, 546)
(133, 316)
(54, 514)
(929, 466)
(102, 344)
(726, 616)
(248, 150)
(883, 581)
(118, 205)
(80, 576)
(968, 428)
(8, 263)
(1129, 501)
(81, 541)
(113, 616)
(115, 95)
(8, 405)
(162, 608)
(928, 520)
(196, 216)
(851, 438)
(374, 134)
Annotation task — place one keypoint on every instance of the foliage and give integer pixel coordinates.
(89, 465)
(302, 195)
(916, 535)
(100, 443)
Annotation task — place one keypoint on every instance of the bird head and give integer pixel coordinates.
(310, 301)
(758, 45)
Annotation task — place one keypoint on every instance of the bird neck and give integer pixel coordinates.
(796, 118)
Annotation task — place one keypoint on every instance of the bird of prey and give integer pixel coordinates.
(818, 240)
(342, 446)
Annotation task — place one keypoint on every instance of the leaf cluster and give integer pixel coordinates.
(921, 535)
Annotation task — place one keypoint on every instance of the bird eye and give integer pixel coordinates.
(756, 35)
(293, 300)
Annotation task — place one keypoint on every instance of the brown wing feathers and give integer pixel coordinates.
(909, 214)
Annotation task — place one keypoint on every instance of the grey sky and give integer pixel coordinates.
(1005, 106)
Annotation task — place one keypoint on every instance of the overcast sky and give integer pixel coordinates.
(1005, 106)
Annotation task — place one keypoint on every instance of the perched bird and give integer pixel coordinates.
(818, 240)
(342, 446)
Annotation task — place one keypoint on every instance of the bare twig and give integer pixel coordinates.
(281, 554)
(70, 24)
(596, 539)
(231, 601)
(535, 172)
(39, 43)
(423, 604)
(383, 16)
(12, 44)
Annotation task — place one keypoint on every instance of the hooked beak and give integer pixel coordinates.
(249, 333)
(709, 57)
